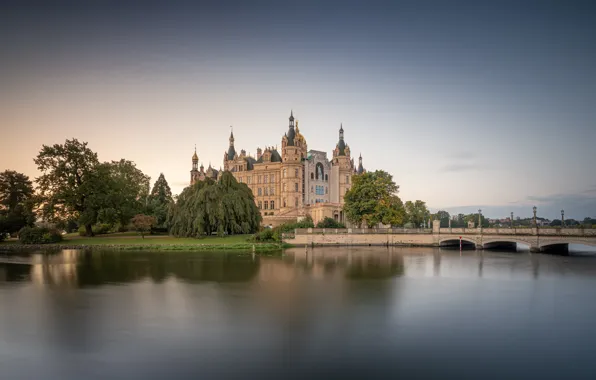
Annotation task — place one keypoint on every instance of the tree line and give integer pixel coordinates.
(76, 191)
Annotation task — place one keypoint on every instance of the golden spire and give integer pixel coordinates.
(194, 156)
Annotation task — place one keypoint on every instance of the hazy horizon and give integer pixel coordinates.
(467, 104)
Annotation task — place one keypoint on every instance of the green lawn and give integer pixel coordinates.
(128, 241)
(133, 239)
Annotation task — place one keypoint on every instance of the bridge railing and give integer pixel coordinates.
(305, 231)
(522, 231)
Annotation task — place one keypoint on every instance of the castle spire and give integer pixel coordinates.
(291, 133)
(195, 159)
(341, 145)
(360, 167)
(231, 150)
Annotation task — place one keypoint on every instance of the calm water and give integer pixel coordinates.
(323, 313)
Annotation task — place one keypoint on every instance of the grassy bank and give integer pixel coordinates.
(128, 241)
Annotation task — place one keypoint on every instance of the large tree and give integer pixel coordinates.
(373, 199)
(16, 201)
(416, 212)
(223, 206)
(75, 185)
(70, 182)
(128, 190)
(159, 200)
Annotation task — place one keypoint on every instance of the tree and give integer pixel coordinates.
(444, 217)
(223, 206)
(16, 202)
(328, 222)
(128, 191)
(159, 200)
(373, 199)
(143, 223)
(416, 212)
(76, 186)
(474, 218)
(69, 183)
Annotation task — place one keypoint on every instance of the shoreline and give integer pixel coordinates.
(5, 248)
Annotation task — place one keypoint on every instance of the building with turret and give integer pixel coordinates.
(292, 182)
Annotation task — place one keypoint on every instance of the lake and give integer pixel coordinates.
(317, 313)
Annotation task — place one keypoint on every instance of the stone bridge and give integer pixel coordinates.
(537, 239)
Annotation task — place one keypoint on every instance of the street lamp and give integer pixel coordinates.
(511, 219)
(534, 208)
(562, 218)
(479, 218)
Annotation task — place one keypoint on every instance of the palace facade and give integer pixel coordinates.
(293, 182)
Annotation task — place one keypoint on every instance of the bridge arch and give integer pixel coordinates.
(591, 243)
(508, 242)
(454, 241)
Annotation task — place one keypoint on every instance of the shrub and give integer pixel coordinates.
(265, 235)
(39, 235)
(330, 223)
(98, 229)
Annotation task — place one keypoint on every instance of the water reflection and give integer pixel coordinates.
(309, 313)
(75, 268)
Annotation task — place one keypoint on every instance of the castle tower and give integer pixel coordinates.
(230, 155)
(360, 168)
(194, 173)
(343, 165)
(292, 171)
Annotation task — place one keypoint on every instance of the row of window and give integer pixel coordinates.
(271, 178)
(321, 190)
(266, 191)
(312, 176)
(268, 205)
(260, 178)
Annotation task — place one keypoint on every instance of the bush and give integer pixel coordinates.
(98, 229)
(330, 223)
(265, 235)
(39, 235)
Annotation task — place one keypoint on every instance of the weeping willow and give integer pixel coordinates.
(224, 206)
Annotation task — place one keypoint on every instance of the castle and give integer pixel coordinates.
(293, 183)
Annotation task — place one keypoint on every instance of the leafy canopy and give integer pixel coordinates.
(416, 212)
(74, 185)
(225, 206)
(16, 202)
(373, 199)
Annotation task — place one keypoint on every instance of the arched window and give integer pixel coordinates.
(326, 177)
(312, 175)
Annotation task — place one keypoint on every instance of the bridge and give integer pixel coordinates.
(537, 239)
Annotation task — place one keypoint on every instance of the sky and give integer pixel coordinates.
(468, 104)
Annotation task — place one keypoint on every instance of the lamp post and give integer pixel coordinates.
(535, 224)
(479, 218)
(511, 219)
(562, 218)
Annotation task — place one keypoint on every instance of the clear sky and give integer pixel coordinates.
(468, 104)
